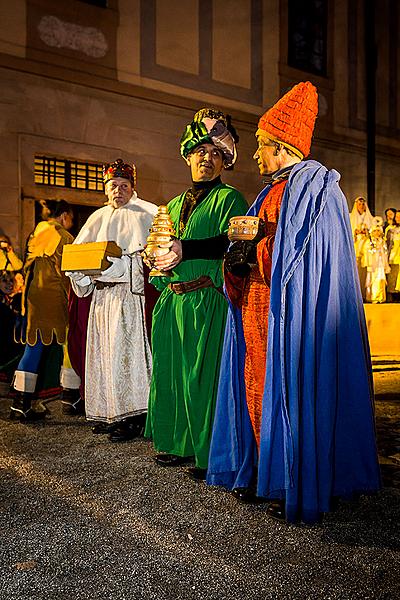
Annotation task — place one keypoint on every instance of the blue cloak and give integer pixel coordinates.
(317, 431)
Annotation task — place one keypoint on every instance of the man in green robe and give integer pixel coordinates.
(189, 317)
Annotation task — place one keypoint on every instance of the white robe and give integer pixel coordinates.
(376, 261)
(118, 357)
(361, 221)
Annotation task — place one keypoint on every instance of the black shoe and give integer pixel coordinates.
(276, 510)
(121, 434)
(29, 416)
(246, 495)
(75, 409)
(171, 460)
(128, 429)
(124, 432)
(103, 428)
(196, 473)
(22, 411)
(72, 403)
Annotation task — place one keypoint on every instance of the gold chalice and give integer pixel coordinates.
(162, 233)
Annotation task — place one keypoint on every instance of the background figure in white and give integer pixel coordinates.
(361, 221)
(376, 262)
(118, 358)
(393, 247)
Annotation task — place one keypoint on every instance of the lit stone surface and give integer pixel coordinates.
(177, 34)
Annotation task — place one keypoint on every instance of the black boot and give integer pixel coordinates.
(72, 403)
(21, 409)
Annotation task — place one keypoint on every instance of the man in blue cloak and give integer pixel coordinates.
(294, 417)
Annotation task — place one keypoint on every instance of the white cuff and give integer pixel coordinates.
(25, 381)
(69, 378)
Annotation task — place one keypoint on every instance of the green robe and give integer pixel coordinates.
(187, 336)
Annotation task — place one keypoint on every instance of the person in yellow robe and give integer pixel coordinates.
(44, 305)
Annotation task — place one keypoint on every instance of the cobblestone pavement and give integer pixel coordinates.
(86, 519)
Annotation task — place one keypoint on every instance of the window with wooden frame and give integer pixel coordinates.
(72, 174)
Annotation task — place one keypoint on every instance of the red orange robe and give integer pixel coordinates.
(253, 295)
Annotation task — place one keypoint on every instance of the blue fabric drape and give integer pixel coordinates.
(233, 451)
(317, 433)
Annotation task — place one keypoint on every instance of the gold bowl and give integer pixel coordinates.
(243, 228)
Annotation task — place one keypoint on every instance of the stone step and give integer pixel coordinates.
(381, 363)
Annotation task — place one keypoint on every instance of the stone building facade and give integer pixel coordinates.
(83, 82)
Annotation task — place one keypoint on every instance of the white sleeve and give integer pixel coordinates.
(118, 272)
(82, 290)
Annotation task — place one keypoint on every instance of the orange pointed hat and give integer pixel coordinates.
(291, 120)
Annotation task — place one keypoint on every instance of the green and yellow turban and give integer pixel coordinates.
(209, 126)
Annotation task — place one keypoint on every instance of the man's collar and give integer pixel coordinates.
(131, 200)
(206, 185)
(282, 174)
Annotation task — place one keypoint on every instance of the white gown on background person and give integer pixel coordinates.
(118, 357)
(376, 261)
(361, 222)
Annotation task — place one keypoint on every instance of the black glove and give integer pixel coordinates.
(243, 254)
(261, 232)
(240, 257)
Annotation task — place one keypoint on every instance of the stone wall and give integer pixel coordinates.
(44, 117)
(88, 83)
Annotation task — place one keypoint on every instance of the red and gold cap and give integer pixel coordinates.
(119, 169)
(291, 120)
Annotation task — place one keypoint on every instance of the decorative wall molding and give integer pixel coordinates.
(204, 80)
(60, 34)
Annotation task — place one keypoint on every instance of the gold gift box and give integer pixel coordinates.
(90, 258)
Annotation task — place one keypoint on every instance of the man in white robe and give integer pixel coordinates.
(118, 358)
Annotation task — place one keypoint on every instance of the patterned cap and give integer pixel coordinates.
(119, 169)
(209, 126)
(291, 120)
